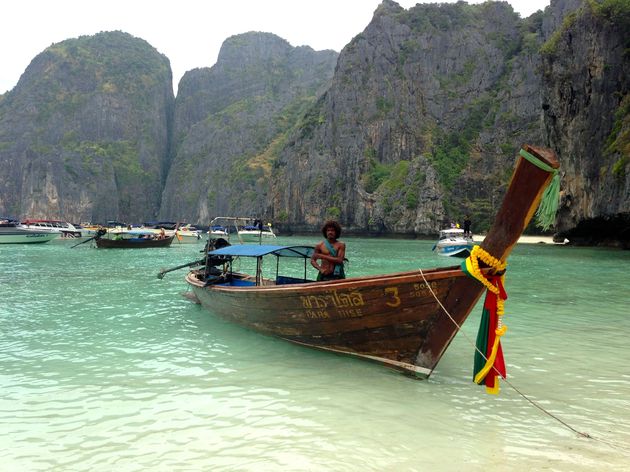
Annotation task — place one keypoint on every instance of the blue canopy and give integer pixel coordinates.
(252, 250)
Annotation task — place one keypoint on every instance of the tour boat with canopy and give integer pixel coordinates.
(404, 320)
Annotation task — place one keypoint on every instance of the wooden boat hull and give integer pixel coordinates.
(133, 243)
(182, 235)
(393, 319)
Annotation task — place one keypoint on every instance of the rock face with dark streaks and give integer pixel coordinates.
(586, 80)
(425, 114)
(230, 121)
(417, 122)
(84, 134)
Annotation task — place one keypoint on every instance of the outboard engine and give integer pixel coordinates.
(213, 261)
(215, 243)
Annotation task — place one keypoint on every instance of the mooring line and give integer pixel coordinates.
(524, 396)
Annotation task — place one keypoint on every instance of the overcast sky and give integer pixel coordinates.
(188, 32)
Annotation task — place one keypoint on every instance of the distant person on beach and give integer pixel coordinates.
(331, 252)
(467, 224)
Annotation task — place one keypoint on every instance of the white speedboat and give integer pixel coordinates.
(187, 234)
(255, 232)
(66, 230)
(218, 231)
(184, 234)
(453, 242)
(12, 233)
(247, 229)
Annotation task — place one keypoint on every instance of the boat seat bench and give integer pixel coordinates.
(284, 280)
(237, 283)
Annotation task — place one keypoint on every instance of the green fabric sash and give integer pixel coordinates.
(338, 267)
(546, 214)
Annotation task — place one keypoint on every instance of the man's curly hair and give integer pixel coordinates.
(334, 225)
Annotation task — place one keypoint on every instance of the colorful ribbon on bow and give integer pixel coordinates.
(489, 362)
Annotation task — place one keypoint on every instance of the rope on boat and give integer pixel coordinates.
(524, 396)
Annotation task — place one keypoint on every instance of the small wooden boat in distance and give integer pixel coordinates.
(404, 320)
(133, 240)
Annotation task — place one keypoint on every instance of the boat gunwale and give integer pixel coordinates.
(358, 282)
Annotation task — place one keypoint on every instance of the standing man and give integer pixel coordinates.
(467, 224)
(331, 252)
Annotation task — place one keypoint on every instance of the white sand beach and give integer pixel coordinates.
(524, 239)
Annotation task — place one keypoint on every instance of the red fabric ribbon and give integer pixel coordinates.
(490, 304)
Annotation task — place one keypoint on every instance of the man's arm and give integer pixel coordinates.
(341, 254)
(316, 255)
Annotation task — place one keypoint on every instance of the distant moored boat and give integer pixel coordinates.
(133, 239)
(12, 233)
(453, 242)
(65, 229)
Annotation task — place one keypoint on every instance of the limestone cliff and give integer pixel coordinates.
(429, 106)
(416, 122)
(425, 114)
(231, 119)
(586, 80)
(84, 134)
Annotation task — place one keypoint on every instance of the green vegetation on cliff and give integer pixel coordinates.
(96, 62)
(619, 139)
(451, 152)
(616, 12)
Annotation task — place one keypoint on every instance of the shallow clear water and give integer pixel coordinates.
(104, 367)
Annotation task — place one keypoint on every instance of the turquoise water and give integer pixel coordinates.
(104, 367)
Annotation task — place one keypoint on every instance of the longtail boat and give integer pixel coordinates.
(133, 240)
(404, 320)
